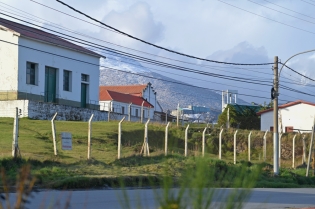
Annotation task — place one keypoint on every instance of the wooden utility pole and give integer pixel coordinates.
(250, 133)
(15, 141)
(220, 144)
(166, 137)
(311, 148)
(275, 118)
(53, 127)
(119, 137)
(89, 137)
(186, 140)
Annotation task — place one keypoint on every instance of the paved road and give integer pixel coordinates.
(96, 199)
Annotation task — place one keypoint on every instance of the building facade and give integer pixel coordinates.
(39, 66)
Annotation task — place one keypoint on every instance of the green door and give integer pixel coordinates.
(83, 94)
(50, 84)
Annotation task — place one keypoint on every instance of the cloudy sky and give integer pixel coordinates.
(242, 31)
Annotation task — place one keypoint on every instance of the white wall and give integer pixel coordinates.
(44, 59)
(300, 116)
(117, 107)
(150, 95)
(8, 60)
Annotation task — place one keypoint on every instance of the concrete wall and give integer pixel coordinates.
(8, 62)
(45, 111)
(300, 116)
(61, 64)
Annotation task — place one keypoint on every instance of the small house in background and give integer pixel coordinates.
(145, 92)
(125, 104)
(37, 66)
(293, 116)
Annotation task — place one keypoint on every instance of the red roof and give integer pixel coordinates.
(287, 105)
(136, 90)
(106, 95)
(33, 33)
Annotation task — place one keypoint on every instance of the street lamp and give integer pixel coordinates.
(275, 94)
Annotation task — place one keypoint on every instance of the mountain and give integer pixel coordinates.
(170, 92)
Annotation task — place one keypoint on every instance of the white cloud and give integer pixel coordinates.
(137, 21)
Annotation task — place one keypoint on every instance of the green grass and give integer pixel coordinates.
(70, 169)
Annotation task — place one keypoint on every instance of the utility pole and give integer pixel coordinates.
(275, 117)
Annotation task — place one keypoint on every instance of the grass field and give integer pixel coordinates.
(71, 169)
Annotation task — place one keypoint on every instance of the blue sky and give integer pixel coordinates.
(208, 29)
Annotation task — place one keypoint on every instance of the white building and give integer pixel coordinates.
(145, 91)
(293, 116)
(125, 104)
(39, 66)
(229, 97)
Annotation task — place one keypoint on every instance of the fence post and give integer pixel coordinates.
(142, 112)
(119, 137)
(89, 137)
(265, 145)
(177, 118)
(15, 142)
(280, 150)
(54, 133)
(250, 133)
(129, 112)
(311, 148)
(145, 146)
(109, 109)
(203, 141)
(235, 146)
(220, 144)
(304, 150)
(293, 152)
(186, 139)
(166, 137)
(228, 119)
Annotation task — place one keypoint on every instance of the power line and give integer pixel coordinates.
(267, 18)
(146, 60)
(282, 12)
(297, 72)
(289, 9)
(154, 45)
(231, 79)
(177, 82)
(308, 2)
(124, 46)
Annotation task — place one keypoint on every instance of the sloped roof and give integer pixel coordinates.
(129, 89)
(107, 95)
(36, 34)
(287, 105)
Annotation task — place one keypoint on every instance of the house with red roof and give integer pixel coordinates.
(129, 98)
(293, 117)
(40, 66)
(125, 104)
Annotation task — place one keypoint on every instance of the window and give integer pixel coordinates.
(67, 80)
(137, 113)
(31, 69)
(123, 110)
(271, 128)
(84, 78)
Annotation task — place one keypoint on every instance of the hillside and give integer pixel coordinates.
(170, 92)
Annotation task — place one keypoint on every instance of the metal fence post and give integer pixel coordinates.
(142, 112)
(145, 146)
(109, 109)
(311, 148)
(280, 150)
(15, 142)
